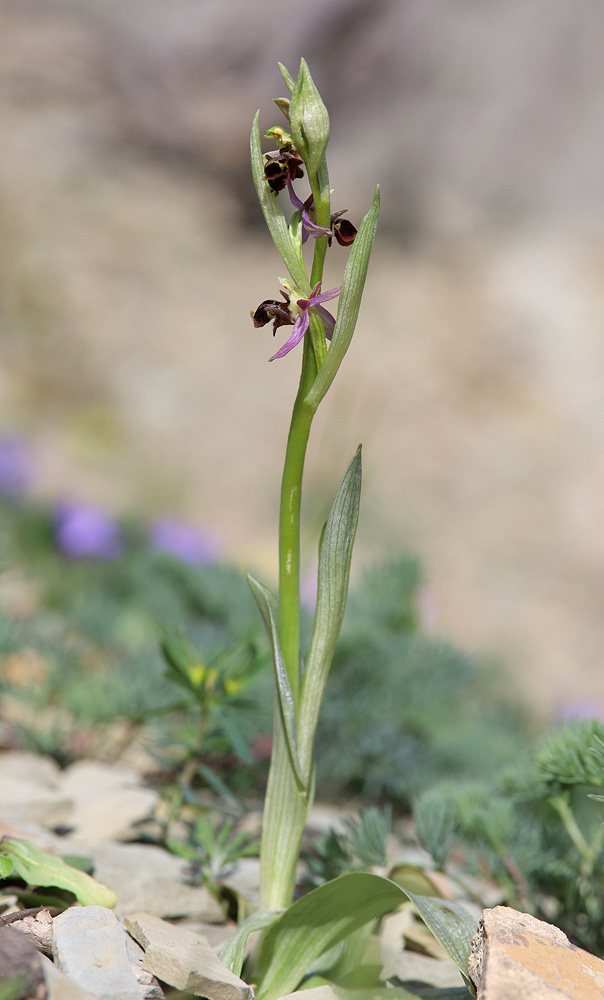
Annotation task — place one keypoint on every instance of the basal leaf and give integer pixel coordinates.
(266, 605)
(452, 926)
(233, 952)
(327, 915)
(36, 867)
(335, 554)
(316, 923)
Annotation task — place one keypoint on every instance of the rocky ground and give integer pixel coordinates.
(161, 938)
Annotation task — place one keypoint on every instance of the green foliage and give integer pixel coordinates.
(359, 847)
(435, 824)
(535, 831)
(37, 867)
(402, 710)
(214, 850)
(316, 923)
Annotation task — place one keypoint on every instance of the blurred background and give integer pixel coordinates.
(132, 251)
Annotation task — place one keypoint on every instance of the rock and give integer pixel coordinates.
(411, 968)
(107, 801)
(20, 960)
(60, 986)
(517, 957)
(148, 879)
(90, 948)
(30, 792)
(147, 980)
(184, 960)
(37, 929)
(245, 879)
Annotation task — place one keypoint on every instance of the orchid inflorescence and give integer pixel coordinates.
(282, 167)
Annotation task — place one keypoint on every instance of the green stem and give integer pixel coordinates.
(286, 803)
(562, 807)
(289, 536)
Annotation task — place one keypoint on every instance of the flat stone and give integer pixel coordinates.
(30, 792)
(20, 959)
(107, 801)
(245, 879)
(90, 947)
(184, 960)
(147, 980)
(517, 957)
(411, 968)
(30, 767)
(148, 879)
(59, 986)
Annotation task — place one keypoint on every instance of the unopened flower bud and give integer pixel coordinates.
(309, 120)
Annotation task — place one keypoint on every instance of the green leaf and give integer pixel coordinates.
(288, 79)
(6, 866)
(14, 988)
(452, 926)
(316, 923)
(274, 217)
(349, 304)
(335, 554)
(331, 913)
(232, 953)
(266, 605)
(36, 867)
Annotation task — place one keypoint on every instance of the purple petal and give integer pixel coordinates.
(316, 300)
(300, 328)
(328, 321)
(313, 228)
(308, 226)
(293, 197)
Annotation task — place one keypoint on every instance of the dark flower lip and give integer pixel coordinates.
(343, 229)
(272, 309)
(282, 165)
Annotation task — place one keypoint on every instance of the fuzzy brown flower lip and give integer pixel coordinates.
(272, 309)
(282, 165)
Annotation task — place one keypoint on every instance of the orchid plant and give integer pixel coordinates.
(297, 934)
(324, 340)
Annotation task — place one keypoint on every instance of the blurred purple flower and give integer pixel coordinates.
(183, 541)
(15, 467)
(581, 709)
(83, 531)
